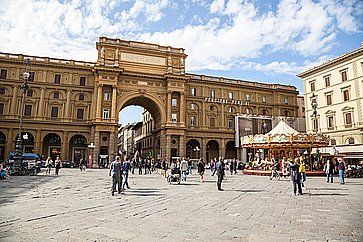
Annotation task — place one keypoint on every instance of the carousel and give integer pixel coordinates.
(284, 141)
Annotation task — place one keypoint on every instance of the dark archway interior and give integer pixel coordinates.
(212, 150)
(149, 105)
(231, 151)
(52, 145)
(193, 149)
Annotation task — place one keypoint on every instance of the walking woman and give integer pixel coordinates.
(201, 169)
(57, 165)
(48, 165)
(341, 169)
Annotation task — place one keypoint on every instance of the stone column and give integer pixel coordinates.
(168, 147)
(99, 102)
(94, 102)
(14, 101)
(203, 113)
(96, 150)
(223, 124)
(64, 151)
(68, 102)
(41, 104)
(38, 141)
(10, 146)
(113, 107)
(111, 146)
(203, 150)
(45, 76)
(169, 107)
(182, 108)
(182, 146)
(222, 149)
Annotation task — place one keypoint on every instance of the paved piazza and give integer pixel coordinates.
(78, 206)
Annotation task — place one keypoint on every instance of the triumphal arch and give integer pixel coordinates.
(72, 104)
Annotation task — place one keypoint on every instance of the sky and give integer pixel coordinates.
(265, 41)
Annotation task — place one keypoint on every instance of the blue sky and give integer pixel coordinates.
(265, 41)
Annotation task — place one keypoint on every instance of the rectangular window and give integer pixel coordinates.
(56, 95)
(3, 74)
(328, 99)
(54, 113)
(192, 106)
(173, 117)
(174, 102)
(193, 92)
(344, 75)
(230, 95)
(57, 79)
(248, 98)
(28, 110)
(327, 81)
(264, 99)
(330, 122)
(346, 95)
(230, 123)
(1, 108)
(106, 113)
(2, 90)
(212, 122)
(212, 93)
(348, 119)
(315, 125)
(312, 86)
(106, 96)
(82, 81)
(81, 97)
(286, 100)
(31, 76)
(192, 121)
(80, 112)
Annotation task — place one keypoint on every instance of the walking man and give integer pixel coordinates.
(341, 169)
(126, 166)
(184, 168)
(48, 164)
(57, 165)
(220, 173)
(115, 171)
(295, 176)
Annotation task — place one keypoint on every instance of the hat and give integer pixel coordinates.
(340, 159)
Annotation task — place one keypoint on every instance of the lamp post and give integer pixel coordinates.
(18, 152)
(196, 150)
(314, 105)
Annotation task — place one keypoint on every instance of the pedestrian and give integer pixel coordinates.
(231, 164)
(329, 170)
(295, 177)
(140, 164)
(211, 166)
(48, 165)
(126, 167)
(146, 165)
(284, 167)
(115, 172)
(190, 166)
(220, 173)
(82, 165)
(184, 168)
(341, 170)
(58, 165)
(302, 171)
(275, 170)
(201, 169)
(165, 167)
(133, 165)
(235, 165)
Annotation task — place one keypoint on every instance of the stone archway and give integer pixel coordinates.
(193, 149)
(52, 144)
(231, 150)
(212, 150)
(77, 148)
(2, 146)
(28, 142)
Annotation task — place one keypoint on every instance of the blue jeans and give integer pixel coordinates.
(125, 180)
(329, 176)
(341, 176)
(184, 175)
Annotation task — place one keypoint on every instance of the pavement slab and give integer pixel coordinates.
(78, 206)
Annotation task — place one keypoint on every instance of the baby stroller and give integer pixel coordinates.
(174, 176)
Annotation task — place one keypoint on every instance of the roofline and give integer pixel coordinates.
(331, 62)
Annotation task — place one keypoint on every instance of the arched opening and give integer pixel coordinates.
(231, 150)
(52, 145)
(77, 148)
(350, 141)
(193, 149)
(141, 135)
(212, 149)
(27, 142)
(2, 146)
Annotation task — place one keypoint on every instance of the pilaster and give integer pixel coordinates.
(14, 101)
(97, 149)
(68, 102)
(64, 151)
(41, 104)
(38, 141)
(113, 111)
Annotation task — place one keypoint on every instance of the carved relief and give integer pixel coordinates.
(145, 59)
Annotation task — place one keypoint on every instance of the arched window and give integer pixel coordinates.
(333, 142)
(212, 108)
(350, 141)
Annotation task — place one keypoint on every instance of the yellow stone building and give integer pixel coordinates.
(73, 103)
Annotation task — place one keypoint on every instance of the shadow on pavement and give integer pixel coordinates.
(327, 188)
(18, 185)
(238, 190)
(328, 194)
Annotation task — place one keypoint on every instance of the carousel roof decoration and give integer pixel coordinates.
(284, 136)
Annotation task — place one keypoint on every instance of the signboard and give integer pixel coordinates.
(251, 125)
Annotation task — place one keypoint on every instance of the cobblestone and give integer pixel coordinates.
(78, 206)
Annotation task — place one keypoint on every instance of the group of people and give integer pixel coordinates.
(119, 171)
(49, 163)
(331, 167)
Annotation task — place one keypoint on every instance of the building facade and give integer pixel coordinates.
(72, 103)
(337, 88)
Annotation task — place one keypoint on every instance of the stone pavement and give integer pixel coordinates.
(78, 206)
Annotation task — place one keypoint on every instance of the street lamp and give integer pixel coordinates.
(196, 150)
(18, 152)
(314, 105)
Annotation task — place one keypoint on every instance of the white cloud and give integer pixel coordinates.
(217, 6)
